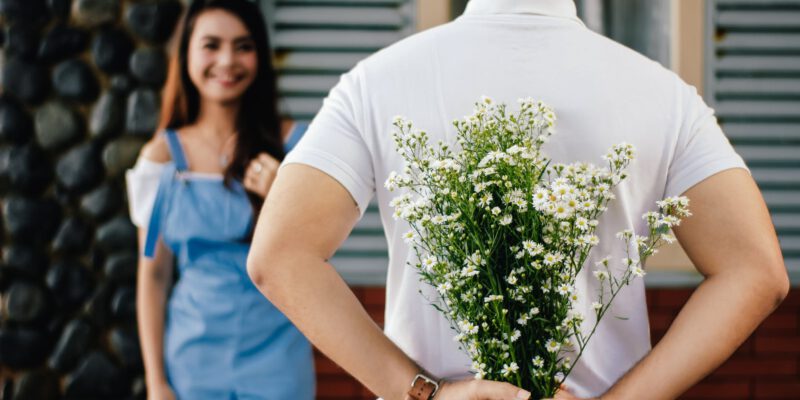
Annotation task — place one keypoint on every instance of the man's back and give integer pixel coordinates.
(602, 93)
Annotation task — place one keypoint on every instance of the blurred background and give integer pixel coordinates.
(80, 93)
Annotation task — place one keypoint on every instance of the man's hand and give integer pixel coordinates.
(472, 389)
(565, 394)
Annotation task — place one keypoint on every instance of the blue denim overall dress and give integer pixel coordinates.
(223, 339)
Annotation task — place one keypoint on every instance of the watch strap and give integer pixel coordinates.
(422, 388)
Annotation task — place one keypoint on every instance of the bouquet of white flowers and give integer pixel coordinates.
(502, 233)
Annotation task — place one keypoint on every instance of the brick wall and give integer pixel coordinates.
(767, 366)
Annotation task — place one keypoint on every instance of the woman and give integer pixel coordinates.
(195, 192)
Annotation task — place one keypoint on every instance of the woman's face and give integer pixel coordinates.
(222, 59)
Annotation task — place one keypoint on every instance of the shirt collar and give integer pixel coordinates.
(553, 8)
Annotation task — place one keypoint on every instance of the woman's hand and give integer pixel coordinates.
(260, 174)
(472, 389)
(160, 391)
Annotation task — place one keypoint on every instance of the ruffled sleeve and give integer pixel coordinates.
(142, 183)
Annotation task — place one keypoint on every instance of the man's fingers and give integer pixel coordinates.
(563, 393)
(491, 390)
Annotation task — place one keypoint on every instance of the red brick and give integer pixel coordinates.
(777, 345)
(719, 390)
(792, 300)
(672, 297)
(324, 366)
(661, 319)
(374, 296)
(745, 350)
(778, 389)
(751, 367)
(781, 322)
(336, 388)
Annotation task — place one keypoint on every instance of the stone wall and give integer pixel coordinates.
(81, 86)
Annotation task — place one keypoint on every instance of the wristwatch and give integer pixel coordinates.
(422, 388)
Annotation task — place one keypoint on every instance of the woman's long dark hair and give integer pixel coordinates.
(257, 123)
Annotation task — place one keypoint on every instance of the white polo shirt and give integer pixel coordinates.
(602, 92)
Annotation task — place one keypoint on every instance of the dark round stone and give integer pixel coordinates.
(121, 84)
(27, 259)
(123, 304)
(27, 81)
(153, 21)
(93, 13)
(121, 267)
(74, 342)
(100, 203)
(22, 41)
(28, 170)
(111, 50)
(143, 112)
(121, 154)
(23, 10)
(74, 236)
(40, 384)
(62, 42)
(125, 346)
(6, 279)
(149, 66)
(7, 388)
(96, 377)
(80, 169)
(139, 388)
(31, 220)
(116, 235)
(16, 126)
(57, 125)
(75, 81)
(97, 308)
(108, 116)
(5, 162)
(60, 8)
(26, 302)
(22, 347)
(70, 282)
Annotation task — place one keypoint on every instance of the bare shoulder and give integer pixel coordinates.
(156, 150)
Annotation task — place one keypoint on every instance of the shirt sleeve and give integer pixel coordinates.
(334, 142)
(702, 149)
(142, 184)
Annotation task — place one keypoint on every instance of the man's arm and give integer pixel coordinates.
(731, 241)
(306, 216)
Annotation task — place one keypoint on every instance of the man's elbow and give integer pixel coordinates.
(782, 284)
(259, 269)
(775, 281)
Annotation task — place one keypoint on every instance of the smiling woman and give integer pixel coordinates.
(194, 194)
(223, 58)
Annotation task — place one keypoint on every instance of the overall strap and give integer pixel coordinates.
(154, 226)
(298, 130)
(176, 150)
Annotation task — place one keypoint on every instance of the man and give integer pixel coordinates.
(603, 94)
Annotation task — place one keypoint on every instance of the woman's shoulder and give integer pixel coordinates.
(156, 149)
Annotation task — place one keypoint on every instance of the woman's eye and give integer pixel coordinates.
(210, 46)
(245, 47)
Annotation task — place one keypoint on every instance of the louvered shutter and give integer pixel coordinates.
(315, 41)
(752, 79)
